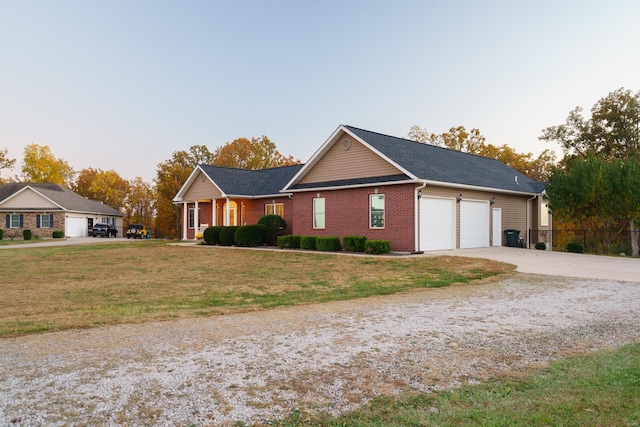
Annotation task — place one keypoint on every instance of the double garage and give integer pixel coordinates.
(439, 219)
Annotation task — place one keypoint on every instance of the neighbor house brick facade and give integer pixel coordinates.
(44, 208)
(418, 196)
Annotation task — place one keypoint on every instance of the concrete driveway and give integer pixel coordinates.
(558, 263)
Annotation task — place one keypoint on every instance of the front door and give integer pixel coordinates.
(497, 227)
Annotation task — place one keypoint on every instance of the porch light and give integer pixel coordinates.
(419, 193)
(493, 200)
(459, 198)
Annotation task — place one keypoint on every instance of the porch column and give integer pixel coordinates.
(227, 212)
(196, 221)
(185, 220)
(214, 212)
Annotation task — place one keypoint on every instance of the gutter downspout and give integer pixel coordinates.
(527, 220)
(418, 192)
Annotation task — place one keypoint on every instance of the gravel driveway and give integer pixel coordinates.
(256, 367)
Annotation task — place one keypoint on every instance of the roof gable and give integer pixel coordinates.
(59, 197)
(442, 165)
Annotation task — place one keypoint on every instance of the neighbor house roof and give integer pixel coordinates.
(427, 163)
(234, 182)
(63, 198)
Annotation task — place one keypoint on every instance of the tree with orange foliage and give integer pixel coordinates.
(254, 154)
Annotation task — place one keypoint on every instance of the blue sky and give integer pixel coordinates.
(123, 84)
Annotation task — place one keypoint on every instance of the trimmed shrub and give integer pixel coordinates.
(289, 242)
(1, 230)
(328, 244)
(276, 226)
(58, 234)
(211, 235)
(228, 235)
(26, 234)
(251, 235)
(541, 246)
(354, 243)
(308, 242)
(575, 247)
(377, 247)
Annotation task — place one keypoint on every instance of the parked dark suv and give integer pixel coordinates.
(103, 230)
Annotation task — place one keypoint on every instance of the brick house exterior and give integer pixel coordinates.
(45, 208)
(418, 196)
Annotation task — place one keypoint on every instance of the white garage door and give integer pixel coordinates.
(437, 224)
(76, 227)
(474, 224)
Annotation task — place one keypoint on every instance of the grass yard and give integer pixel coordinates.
(82, 286)
(601, 389)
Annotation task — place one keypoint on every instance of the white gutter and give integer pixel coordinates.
(417, 197)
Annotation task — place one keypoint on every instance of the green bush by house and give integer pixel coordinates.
(328, 244)
(377, 247)
(575, 247)
(289, 242)
(211, 235)
(1, 234)
(228, 235)
(541, 246)
(276, 226)
(354, 243)
(26, 234)
(308, 242)
(251, 235)
(57, 234)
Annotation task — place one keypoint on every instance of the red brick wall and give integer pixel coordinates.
(347, 214)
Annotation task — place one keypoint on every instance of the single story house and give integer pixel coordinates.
(44, 208)
(418, 196)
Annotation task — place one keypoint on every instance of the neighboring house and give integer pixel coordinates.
(44, 208)
(418, 196)
(216, 195)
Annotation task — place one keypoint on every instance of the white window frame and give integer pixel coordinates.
(42, 221)
(381, 218)
(272, 209)
(317, 215)
(16, 220)
(544, 214)
(191, 218)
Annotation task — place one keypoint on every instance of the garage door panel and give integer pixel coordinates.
(76, 227)
(474, 224)
(437, 224)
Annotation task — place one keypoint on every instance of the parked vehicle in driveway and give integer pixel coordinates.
(137, 231)
(104, 230)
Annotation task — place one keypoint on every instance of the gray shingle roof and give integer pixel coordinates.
(253, 183)
(432, 163)
(62, 196)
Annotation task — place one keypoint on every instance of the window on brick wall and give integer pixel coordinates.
(376, 211)
(14, 221)
(192, 218)
(318, 212)
(274, 209)
(44, 221)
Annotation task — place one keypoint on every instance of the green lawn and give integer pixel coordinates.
(601, 389)
(65, 287)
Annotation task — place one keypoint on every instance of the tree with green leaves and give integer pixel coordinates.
(610, 134)
(41, 166)
(597, 194)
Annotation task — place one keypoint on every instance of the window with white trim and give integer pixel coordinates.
(14, 221)
(274, 209)
(192, 218)
(318, 212)
(544, 214)
(45, 221)
(376, 211)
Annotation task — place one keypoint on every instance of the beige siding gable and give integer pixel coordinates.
(29, 199)
(202, 189)
(348, 159)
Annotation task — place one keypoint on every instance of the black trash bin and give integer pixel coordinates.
(512, 237)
